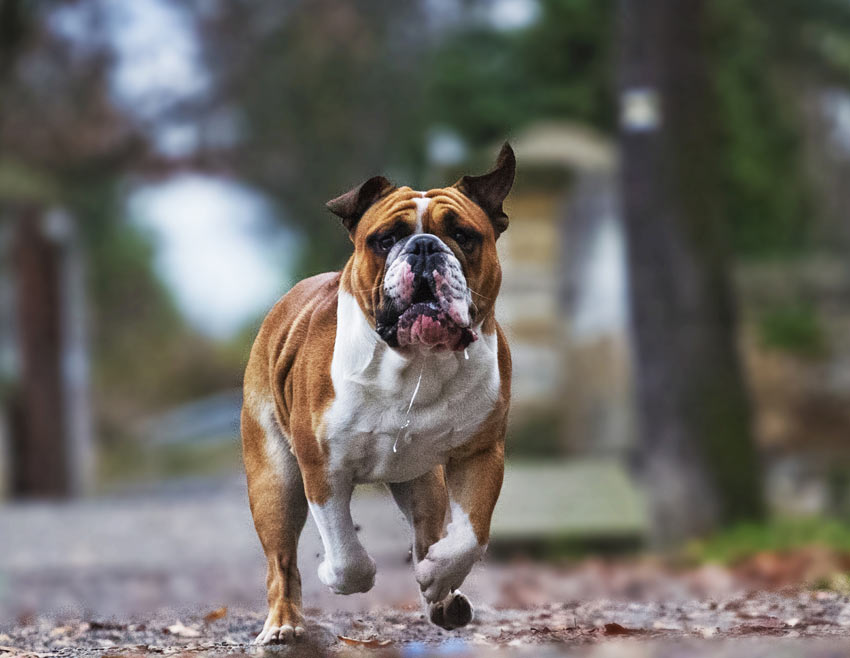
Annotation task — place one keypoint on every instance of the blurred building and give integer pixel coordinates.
(563, 294)
(564, 306)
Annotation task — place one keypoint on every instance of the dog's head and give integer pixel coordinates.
(425, 270)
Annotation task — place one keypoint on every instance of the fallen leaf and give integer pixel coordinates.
(371, 643)
(616, 629)
(180, 630)
(106, 626)
(215, 615)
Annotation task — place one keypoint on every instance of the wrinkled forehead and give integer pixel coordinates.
(423, 209)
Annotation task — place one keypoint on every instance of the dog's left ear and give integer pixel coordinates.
(351, 206)
(490, 190)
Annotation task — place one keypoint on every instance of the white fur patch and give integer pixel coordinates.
(421, 205)
(275, 442)
(450, 560)
(347, 568)
(373, 385)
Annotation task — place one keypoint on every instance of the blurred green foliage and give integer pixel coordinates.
(793, 328)
(145, 355)
(487, 84)
(77, 151)
(133, 462)
(765, 195)
(329, 92)
(746, 539)
(536, 435)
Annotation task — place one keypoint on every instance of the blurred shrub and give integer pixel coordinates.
(747, 539)
(128, 463)
(765, 194)
(145, 355)
(535, 435)
(766, 58)
(486, 84)
(793, 328)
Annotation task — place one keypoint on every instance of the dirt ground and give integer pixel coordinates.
(178, 570)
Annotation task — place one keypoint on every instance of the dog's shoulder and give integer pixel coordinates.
(298, 332)
(294, 313)
(304, 298)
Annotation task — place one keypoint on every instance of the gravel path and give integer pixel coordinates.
(155, 571)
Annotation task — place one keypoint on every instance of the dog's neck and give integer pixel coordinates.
(360, 355)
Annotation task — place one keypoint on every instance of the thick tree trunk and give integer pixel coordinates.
(696, 451)
(50, 429)
(39, 447)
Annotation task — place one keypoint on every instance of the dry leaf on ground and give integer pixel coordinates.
(180, 630)
(371, 643)
(215, 615)
(617, 629)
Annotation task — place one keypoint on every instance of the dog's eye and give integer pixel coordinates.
(464, 240)
(385, 243)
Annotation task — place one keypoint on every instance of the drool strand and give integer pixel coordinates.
(406, 422)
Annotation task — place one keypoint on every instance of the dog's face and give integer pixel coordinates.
(425, 269)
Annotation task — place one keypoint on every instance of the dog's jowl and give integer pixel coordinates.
(393, 370)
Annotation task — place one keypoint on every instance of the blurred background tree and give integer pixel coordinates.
(326, 95)
(300, 101)
(695, 450)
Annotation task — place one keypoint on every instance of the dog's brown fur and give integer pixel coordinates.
(290, 365)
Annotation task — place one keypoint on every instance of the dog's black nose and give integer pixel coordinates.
(424, 245)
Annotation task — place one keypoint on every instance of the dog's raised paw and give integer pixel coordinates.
(452, 612)
(445, 567)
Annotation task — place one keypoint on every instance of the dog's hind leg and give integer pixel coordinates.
(424, 502)
(279, 508)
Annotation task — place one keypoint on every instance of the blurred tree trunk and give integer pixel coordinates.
(50, 434)
(40, 451)
(696, 451)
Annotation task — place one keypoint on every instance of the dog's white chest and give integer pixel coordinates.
(373, 390)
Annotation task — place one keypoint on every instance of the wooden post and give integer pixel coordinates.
(8, 354)
(50, 429)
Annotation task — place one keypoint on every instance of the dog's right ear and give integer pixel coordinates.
(350, 206)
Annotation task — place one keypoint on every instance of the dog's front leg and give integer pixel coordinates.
(474, 482)
(424, 502)
(347, 567)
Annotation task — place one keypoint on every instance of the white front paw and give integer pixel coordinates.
(445, 567)
(349, 577)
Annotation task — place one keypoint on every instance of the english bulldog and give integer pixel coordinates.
(393, 371)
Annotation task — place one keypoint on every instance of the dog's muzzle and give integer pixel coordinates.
(426, 298)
